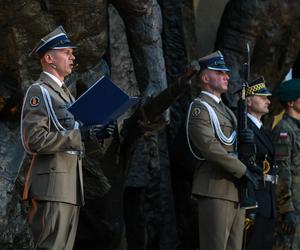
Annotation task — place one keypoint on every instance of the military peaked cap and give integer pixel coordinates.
(257, 87)
(57, 39)
(288, 90)
(214, 61)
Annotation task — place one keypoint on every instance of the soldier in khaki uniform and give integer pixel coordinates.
(286, 137)
(50, 133)
(211, 137)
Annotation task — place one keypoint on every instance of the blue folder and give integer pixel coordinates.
(102, 103)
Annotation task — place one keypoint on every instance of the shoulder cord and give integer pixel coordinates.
(50, 111)
(215, 127)
(51, 114)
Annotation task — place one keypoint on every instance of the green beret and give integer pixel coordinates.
(288, 90)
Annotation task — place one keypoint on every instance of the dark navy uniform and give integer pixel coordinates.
(260, 235)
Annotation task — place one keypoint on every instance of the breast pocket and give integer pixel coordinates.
(226, 127)
(227, 130)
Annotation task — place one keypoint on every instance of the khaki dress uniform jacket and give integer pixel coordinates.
(215, 182)
(218, 174)
(54, 174)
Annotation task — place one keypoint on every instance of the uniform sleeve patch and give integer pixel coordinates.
(196, 112)
(35, 101)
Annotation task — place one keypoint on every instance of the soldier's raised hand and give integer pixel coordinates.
(190, 72)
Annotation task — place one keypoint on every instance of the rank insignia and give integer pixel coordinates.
(196, 112)
(34, 101)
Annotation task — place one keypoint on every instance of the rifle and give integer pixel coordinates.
(246, 152)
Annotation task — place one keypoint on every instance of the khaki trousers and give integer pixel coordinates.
(221, 224)
(53, 225)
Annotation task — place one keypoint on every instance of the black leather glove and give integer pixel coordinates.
(90, 131)
(98, 131)
(289, 222)
(108, 130)
(245, 136)
(252, 177)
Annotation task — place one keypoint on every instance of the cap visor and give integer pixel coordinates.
(264, 92)
(65, 46)
(219, 68)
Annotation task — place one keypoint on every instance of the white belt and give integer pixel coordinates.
(80, 154)
(270, 178)
(72, 152)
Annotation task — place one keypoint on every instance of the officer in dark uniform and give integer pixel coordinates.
(259, 235)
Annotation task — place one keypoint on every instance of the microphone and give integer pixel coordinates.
(53, 66)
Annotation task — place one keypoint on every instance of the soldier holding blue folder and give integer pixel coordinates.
(50, 133)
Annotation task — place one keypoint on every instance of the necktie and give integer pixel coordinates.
(64, 87)
(67, 91)
(223, 107)
(227, 113)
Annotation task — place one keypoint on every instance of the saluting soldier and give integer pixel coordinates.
(260, 233)
(286, 137)
(50, 133)
(211, 129)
